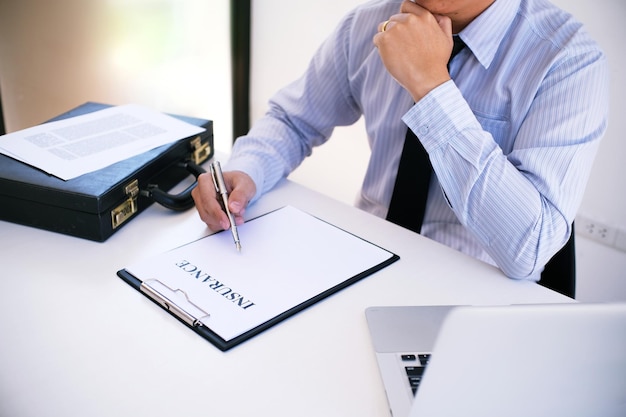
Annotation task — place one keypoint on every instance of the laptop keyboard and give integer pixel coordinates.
(414, 365)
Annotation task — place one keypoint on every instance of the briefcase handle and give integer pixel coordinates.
(181, 201)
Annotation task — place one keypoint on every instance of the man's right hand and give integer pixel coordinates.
(241, 189)
(415, 48)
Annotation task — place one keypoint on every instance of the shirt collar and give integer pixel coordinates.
(484, 34)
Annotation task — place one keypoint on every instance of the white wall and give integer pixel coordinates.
(170, 55)
(286, 34)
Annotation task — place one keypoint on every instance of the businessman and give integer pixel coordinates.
(510, 124)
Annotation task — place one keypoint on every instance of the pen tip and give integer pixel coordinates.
(238, 246)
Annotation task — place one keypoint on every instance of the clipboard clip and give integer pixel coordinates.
(193, 320)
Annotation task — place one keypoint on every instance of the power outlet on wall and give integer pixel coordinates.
(600, 232)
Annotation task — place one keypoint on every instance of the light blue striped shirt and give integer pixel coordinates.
(512, 138)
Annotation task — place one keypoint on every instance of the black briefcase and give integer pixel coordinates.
(95, 205)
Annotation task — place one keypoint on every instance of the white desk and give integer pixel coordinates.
(76, 340)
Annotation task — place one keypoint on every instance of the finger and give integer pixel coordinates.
(237, 206)
(207, 204)
(387, 24)
(243, 190)
(445, 23)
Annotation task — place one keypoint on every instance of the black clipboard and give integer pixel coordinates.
(193, 320)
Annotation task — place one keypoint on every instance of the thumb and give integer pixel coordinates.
(445, 24)
(243, 190)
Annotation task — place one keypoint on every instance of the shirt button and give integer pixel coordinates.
(423, 130)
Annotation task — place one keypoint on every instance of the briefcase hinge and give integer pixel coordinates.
(125, 210)
(200, 152)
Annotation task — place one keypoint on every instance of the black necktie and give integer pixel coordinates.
(410, 192)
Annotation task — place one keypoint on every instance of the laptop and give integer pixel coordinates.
(520, 360)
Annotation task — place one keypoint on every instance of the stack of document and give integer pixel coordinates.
(75, 146)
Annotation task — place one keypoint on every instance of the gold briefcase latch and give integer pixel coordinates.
(200, 152)
(125, 210)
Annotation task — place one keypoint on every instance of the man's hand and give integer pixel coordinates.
(415, 48)
(241, 189)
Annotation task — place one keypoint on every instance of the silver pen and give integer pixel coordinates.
(220, 188)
